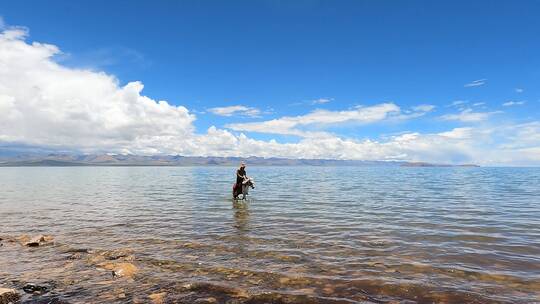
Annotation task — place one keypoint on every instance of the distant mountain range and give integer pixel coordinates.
(65, 160)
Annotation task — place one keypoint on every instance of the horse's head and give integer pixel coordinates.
(249, 182)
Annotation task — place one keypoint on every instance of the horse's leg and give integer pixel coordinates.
(236, 191)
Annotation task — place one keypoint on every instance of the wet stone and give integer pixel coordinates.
(122, 269)
(75, 256)
(35, 289)
(124, 254)
(37, 240)
(8, 295)
(78, 250)
(49, 300)
(210, 300)
(157, 298)
(284, 280)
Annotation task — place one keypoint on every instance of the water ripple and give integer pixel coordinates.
(306, 235)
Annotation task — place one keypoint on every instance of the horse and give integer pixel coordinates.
(248, 182)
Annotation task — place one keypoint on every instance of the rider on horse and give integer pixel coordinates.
(240, 176)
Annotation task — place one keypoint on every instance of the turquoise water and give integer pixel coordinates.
(305, 235)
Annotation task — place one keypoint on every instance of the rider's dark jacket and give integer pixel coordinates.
(240, 173)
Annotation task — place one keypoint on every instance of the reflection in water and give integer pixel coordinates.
(381, 235)
(241, 215)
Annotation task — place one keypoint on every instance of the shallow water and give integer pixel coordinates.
(305, 235)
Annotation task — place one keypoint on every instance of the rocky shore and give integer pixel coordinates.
(38, 269)
(116, 276)
(118, 263)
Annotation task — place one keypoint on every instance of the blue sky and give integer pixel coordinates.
(290, 58)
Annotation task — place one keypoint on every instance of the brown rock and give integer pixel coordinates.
(116, 254)
(158, 298)
(210, 300)
(75, 256)
(23, 239)
(37, 240)
(122, 269)
(284, 280)
(8, 295)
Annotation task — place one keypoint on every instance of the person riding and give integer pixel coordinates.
(240, 175)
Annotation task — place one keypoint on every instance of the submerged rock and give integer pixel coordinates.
(8, 296)
(210, 300)
(36, 241)
(78, 250)
(75, 256)
(35, 289)
(121, 269)
(124, 254)
(158, 298)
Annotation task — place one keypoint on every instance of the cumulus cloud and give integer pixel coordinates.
(476, 83)
(46, 104)
(468, 115)
(513, 103)
(235, 110)
(309, 125)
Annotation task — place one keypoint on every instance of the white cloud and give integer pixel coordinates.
(513, 103)
(476, 104)
(321, 101)
(468, 115)
(424, 108)
(457, 103)
(317, 101)
(519, 90)
(476, 83)
(235, 110)
(292, 125)
(46, 104)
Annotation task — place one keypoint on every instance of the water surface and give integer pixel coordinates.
(306, 235)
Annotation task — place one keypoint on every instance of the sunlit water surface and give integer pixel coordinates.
(306, 234)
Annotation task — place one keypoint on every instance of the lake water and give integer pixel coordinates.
(305, 235)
